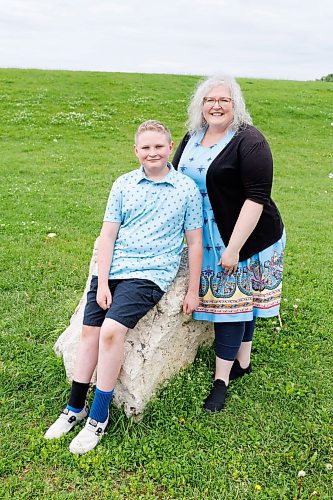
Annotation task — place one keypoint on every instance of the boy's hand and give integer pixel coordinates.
(191, 302)
(104, 298)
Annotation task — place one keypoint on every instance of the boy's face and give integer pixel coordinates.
(153, 150)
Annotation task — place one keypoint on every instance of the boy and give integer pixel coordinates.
(140, 245)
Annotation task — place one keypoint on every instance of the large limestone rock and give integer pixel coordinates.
(162, 343)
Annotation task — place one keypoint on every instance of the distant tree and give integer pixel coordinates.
(328, 78)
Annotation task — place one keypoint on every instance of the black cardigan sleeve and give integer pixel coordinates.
(256, 169)
(179, 151)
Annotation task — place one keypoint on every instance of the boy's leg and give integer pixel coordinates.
(87, 354)
(110, 360)
(131, 300)
(85, 363)
(110, 354)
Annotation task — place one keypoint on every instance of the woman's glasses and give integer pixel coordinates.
(221, 101)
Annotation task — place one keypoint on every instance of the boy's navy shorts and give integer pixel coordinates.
(131, 300)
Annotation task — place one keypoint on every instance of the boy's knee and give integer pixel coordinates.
(107, 335)
(90, 333)
(112, 332)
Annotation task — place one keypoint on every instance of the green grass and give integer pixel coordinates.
(65, 137)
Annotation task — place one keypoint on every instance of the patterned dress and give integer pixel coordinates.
(254, 290)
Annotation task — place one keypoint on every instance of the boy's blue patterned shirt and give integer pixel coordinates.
(153, 217)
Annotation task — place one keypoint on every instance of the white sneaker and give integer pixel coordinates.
(88, 437)
(67, 420)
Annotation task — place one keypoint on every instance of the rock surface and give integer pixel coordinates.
(162, 343)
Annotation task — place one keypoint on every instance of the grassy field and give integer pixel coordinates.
(65, 137)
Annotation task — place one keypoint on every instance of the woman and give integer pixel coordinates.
(244, 238)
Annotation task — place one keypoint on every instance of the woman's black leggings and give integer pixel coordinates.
(229, 336)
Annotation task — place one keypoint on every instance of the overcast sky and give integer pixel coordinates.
(289, 39)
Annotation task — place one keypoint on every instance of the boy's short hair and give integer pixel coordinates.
(155, 126)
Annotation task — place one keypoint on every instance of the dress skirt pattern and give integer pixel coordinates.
(254, 290)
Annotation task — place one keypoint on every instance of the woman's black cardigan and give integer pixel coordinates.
(243, 170)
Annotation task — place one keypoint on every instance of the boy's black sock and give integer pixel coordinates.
(78, 395)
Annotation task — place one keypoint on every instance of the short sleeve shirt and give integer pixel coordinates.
(153, 216)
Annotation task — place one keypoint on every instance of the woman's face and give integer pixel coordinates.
(217, 108)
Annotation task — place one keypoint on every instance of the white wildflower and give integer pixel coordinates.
(329, 466)
(51, 235)
(301, 473)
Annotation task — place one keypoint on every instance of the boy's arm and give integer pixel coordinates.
(106, 243)
(194, 243)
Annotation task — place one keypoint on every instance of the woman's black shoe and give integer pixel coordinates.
(216, 399)
(237, 371)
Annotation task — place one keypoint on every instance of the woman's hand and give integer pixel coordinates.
(229, 260)
(246, 222)
(104, 298)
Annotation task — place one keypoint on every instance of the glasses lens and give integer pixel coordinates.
(209, 100)
(224, 100)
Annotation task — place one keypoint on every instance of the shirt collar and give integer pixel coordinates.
(170, 177)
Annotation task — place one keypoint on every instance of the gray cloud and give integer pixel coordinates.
(285, 39)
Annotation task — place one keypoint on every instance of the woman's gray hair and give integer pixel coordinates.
(196, 119)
